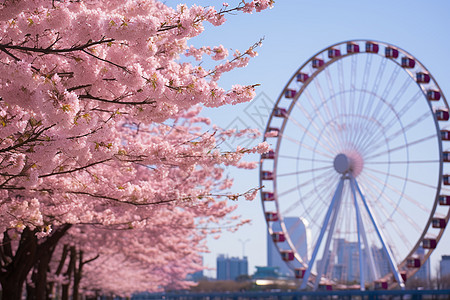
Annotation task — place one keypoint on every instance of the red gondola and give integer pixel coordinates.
(332, 53)
(278, 237)
(446, 178)
(290, 93)
(302, 77)
(408, 62)
(325, 287)
(422, 77)
(445, 135)
(433, 95)
(300, 272)
(438, 222)
(271, 216)
(442, 115)
(381, 285)
(267, 196)
(268, 155)
(280, 112)
(391, 52)
(274, 131)
(267, 175)
(404, 275)
(446, 156)
(444, 200)
(372, 47)
(352, 48)
(287, 255)
(429, 243)
(317, 63)
(413, 262)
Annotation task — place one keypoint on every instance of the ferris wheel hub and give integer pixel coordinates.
(350, 162)
(342, 163)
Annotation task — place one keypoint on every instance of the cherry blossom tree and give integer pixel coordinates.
(99, 124)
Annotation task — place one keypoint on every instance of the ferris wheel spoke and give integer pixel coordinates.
(332, 207)
(305, 159)
(375, 87)
(305, 171)
(395, 100)
(396, 134)
(386, 92)
(404, 162)
(395, 206)
(360, 230)
(402, 178)
(321, 189)
(306, 146)
(400, 194)
(311, 121)
(387, 251)
(311, 135)
(396, 229)
(402, 147)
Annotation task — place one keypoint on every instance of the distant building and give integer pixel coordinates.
(229, 268)
(298, 232)
(444, 266)
(424, 271)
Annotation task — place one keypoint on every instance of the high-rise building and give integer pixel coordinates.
(229, 268)
(444, 266)
(424, 271)
(298, 232)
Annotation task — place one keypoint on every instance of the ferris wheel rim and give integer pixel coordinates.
(300, 92)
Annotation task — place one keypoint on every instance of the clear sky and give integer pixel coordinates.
(293, 31)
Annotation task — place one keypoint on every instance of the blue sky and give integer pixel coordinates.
(293, 31)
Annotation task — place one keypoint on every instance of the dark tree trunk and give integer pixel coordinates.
(16, 266)
(69, 272)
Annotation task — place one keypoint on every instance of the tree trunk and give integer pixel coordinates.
(69, 272)
(16, 266)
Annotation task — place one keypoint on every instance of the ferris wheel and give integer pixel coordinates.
(359, 137)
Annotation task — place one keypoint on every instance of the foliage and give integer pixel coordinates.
(100, 132)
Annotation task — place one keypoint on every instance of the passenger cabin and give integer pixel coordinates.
(444, 200)
(352, 48)
(272, 131)
(445, 135)
(280, 112)
(404, 275)
(446, 179)
(442, 115)
(413, 262)
(317, 63)
(278, 237)
(290, 93)
(299, 272)
(268, 155)
(408, 62)
(438, 222)
(325, 287)
(372, 47)
(268, 196)
(446, 156)
(271, 216)
(332, 53)
(287, 255)
(433, 95)
(267, 175)
(422, 77)
(302, 77)
(429, 243)
(391, 52)
(381, 285)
